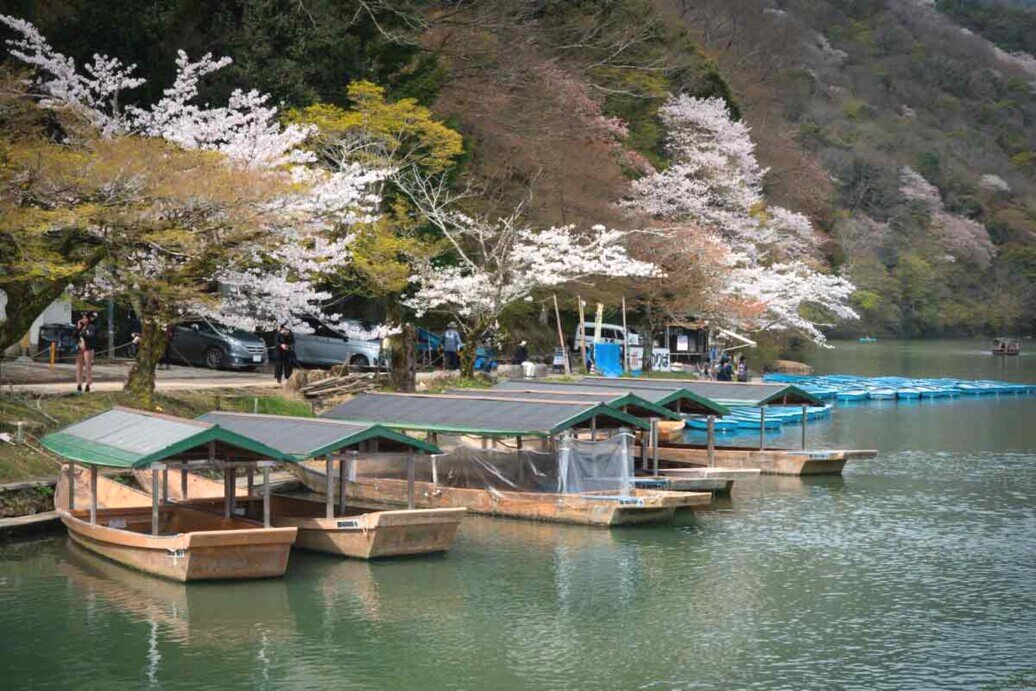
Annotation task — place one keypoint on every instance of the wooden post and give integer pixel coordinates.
(712, 440)
(329, 495)
(410, 503)
(343, 478)
(561, 334)
(93, 495)
(183, 482)
(804, 427)
(582, 335)
(71, 486)
(266, 494)
(435, 469)
(228, 490)
(762, 427)
(645, 439)
(154, 500)
(518, 442)
(593, 428)
(165, 485)
(53, 354)
(625, 339)
(250, 475)
(654, 446)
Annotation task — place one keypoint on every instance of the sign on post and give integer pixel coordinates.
(660, 360)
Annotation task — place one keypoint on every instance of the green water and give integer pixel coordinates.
(915, 570)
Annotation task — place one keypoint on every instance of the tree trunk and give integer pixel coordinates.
(140, 384)
(404, 360)
(648, 338)
(24, 304)
(467, 355)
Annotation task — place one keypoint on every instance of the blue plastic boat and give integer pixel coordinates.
(908, 392)
(881, 394)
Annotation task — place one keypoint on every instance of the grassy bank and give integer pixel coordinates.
(41, 415)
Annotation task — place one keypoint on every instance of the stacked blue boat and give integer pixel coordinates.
(848, 388)
(749, 417)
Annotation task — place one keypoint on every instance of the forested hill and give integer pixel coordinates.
(907, 139)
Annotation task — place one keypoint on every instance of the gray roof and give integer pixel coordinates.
(128, 438)
(476, 416)
(304, 438)
(729, 393)
(671, 397)
(627, 402)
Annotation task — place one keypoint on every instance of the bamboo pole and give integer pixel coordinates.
(154, 500)
(266, 494)
(93, 495)
(762, 427)
(329, 495)
(410, 499)
(71, 486)
(561, 335)
(712, 441)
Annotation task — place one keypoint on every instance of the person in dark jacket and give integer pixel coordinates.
(521, 353)
(86, 344)
(284, 351)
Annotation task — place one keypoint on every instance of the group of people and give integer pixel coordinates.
(724, 368)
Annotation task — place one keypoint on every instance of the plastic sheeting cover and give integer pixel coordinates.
(608, 359)
(589, 466)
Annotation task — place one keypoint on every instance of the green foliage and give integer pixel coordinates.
(1012, 27)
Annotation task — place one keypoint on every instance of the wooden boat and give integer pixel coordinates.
(766, 461)
(1007, 346)
(191, 544)
(591, 508)
(867, 339)
(718, 480)
(356, 532)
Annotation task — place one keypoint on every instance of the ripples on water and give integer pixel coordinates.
(915, 570)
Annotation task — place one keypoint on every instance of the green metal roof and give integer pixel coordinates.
(304, 438)
(128, 438)
(672, 396)
(727, 393)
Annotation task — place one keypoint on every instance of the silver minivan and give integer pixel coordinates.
(327, 347)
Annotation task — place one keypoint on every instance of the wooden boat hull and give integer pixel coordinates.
(357, 534)
(192, 544)
(767, 461)
(718, 480)
(643, 506)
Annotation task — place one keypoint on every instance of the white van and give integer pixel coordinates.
(610, 333)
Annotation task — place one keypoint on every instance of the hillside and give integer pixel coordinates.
(907, 140)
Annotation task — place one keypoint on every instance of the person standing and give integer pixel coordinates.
(86, 344)
(521, 353)
(451, 345)
(742, 369)
(284, 350)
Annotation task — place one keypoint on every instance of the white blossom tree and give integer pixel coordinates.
(309, 226)
(714, 183)
(494, 264)
(961, 237)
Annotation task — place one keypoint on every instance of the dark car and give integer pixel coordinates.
(216, 346)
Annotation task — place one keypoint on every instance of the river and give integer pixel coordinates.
(915, 570)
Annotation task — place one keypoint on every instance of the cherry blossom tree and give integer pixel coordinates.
(961, 237)
(496, 263)
(302, 211)
(714, 183)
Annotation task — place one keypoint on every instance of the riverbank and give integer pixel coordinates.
(42, 414)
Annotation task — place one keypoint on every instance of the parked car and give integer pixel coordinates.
(215, 346)
(610, 333)
(327, 347)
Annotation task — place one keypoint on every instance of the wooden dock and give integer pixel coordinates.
(766, 461)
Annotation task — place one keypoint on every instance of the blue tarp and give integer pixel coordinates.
(608, 359)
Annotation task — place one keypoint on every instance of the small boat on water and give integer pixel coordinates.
(908, 392)
(1007, 346)
(329, 525)
(148, 533)
(852, 395)
(882, 394)
(867, 339)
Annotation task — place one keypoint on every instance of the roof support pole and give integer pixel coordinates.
(165, 485)
(71, 486)
(250, 474)
(93, 495)
(804, 427)
(762, 428)
(645, 440)
(183, 483)
(654, 446)
(154, 499)
(518, 442)
(627, 460)
(329, 495)
(593, 428)
(232, 471)
(266, 494)
(712, 441)
(410, 503)
(435, 469)
(228, 490)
